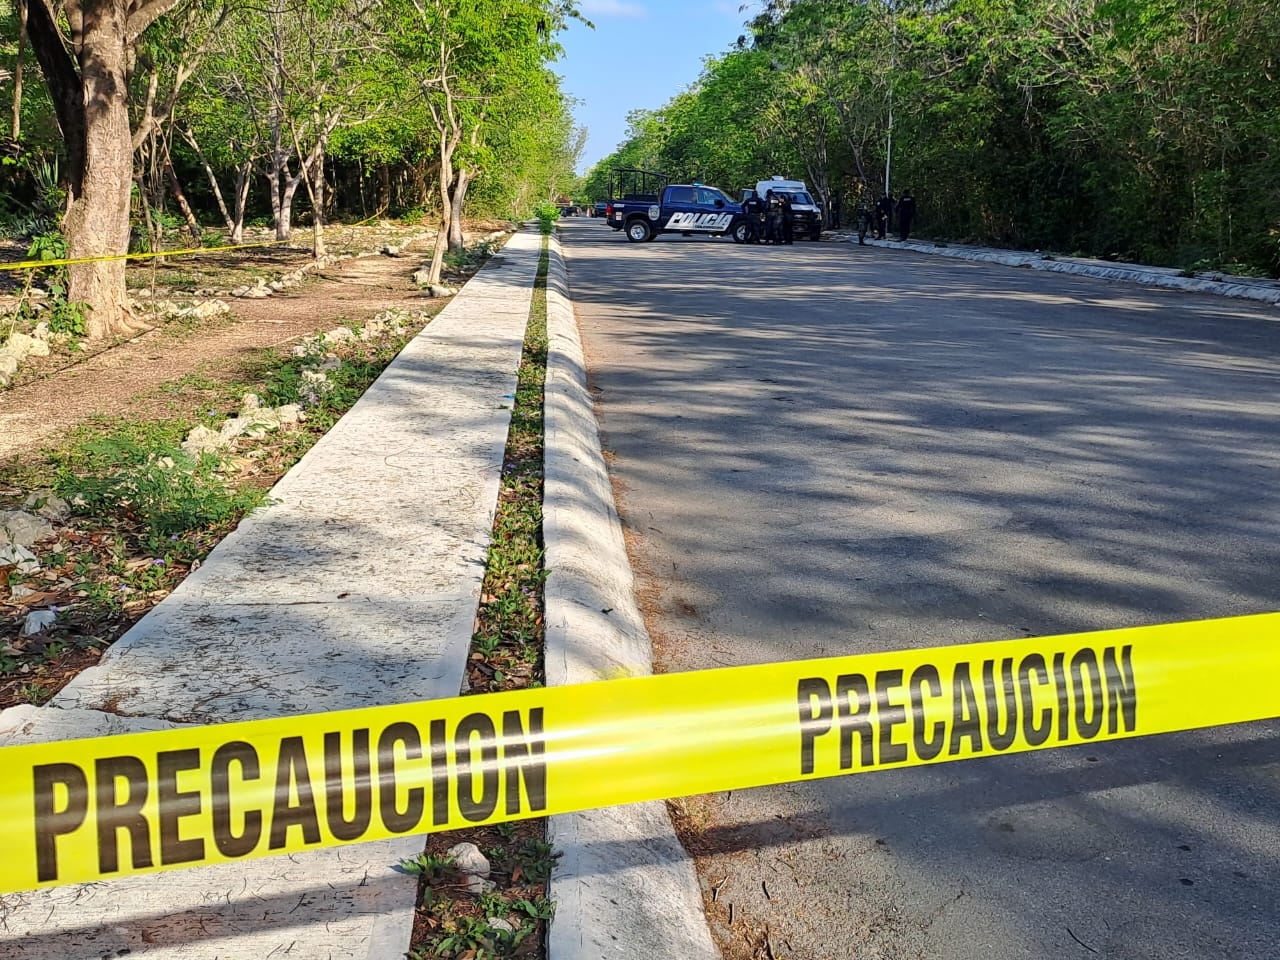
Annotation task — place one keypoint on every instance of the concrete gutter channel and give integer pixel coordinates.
(358, 587)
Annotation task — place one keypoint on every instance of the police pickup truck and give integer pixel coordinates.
(680, 208)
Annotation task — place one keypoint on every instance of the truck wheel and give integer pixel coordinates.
(815, 233)
(638, 231)
(743, 233)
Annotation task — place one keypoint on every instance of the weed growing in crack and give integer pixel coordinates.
(431, 866)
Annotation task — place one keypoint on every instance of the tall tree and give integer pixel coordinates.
(86, 59)
(466, 56)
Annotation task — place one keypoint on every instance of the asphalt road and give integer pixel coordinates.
(825, 449)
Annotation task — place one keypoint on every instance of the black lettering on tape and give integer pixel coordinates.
(175, 804)
(525, 760)
(229, 843)
(1031, 732)
(292, 773)
(115, 814)
(927, 674)
(966, 721)
(1064, 695)
(1122, 690)
(1088, 717)
(439, 774)
(52, 822)
(1000, 738)
(889, 714)
(469, 727)
(394, 819)
(813, 700)
(335, 793)
(853, 708)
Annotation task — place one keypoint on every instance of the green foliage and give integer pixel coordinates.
(1132, 129)
(432, 866)
(476, 938)
(62, 315)
(547, 213)
(469, 257)
(539, 908)
(536, 859)
(31, 198)
(144, 477)
(47, 246)
(65, 316)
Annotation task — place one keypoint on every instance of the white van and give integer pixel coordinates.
(807, 214)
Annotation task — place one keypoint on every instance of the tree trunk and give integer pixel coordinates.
(190, 137)
(193, 225)
(97, 218)
(442, 233)
(92, 111)
(448, 146)
(284, 218)
(460, 185)
(315, 187)
(384, 187)
(17, 72)
(244, 180)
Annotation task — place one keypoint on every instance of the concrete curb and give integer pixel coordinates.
(624, 886)
(1218, 284)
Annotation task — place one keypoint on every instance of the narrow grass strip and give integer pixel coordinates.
(507, 645)
(509, 919)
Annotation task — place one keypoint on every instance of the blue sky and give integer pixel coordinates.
(640, 54)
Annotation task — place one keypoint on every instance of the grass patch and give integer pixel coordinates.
(508, 920)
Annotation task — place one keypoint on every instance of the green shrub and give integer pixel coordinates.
(547, 213)
(144, 476)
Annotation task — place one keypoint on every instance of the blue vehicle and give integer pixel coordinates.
(679, 208)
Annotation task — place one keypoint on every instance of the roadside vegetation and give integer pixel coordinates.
(502, 911)
(212, 116)
(1139, 130)
(133, 504)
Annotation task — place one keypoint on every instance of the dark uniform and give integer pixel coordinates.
(788, 220)
(884, 216)
(756, 211)
(773, 228)
(906, 213)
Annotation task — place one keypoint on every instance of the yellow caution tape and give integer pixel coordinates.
(37, 264)
(84, 810)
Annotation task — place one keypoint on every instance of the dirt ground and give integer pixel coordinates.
(121, 379)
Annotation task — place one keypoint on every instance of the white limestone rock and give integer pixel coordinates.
(22, 528)
(468, 859)
(45, 503)
(18, 556)
(38, 621)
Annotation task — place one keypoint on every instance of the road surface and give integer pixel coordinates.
(823, 449)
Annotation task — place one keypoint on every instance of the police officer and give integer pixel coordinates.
(773, 218)
(787, 234)
(884, 216)
(906, 213)
(756, 212)
(863, 222)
